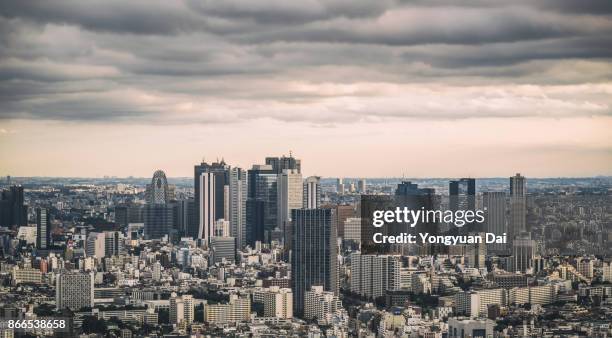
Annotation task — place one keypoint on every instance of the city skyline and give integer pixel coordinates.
(310, 168)
(398, 178)
(358, 88)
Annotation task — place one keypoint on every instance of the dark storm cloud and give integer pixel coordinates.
(597, 7)
(499, 54)
(422, 26)
(312, 60)
(290, 12)
(139, 16)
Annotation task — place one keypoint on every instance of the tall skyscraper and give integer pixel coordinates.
(209, 206)
(523, 252)
(494, 205)
(408, 194)
(262, 203)
(74, 290)
(518, 206)
(43, 229)
(209, 186)
(238, 193)
(13, 212)
(184, 211)
(157, 192)
(290, 192)
(281, 163)
(158, 212)
(313, 258)
(462, 196)
(312, 192)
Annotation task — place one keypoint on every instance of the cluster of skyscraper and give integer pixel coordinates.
(257, 203)
(503, 215)
(272, 202)
(14, 214)
(233, 207)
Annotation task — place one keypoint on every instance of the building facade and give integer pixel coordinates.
(313, 258)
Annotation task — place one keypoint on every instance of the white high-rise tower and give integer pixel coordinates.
(312, 192)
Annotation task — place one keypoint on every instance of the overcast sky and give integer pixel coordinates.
(354, 88)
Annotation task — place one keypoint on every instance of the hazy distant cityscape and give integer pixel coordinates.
(266, 252)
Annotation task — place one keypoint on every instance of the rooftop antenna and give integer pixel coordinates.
(290, 153)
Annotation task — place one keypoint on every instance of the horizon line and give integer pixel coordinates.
(322, 177)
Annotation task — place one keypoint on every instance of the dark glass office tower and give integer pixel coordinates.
(409, 195)
(313, 258)
(262, 203)
(518, 206)
(494, 204)
(158, 220)
(255, 222)
(13, 212)
(129, 213)
(281, 163)
(462, 196)
(121, 215)
(43, 229)
(407, 188)
(183, 212)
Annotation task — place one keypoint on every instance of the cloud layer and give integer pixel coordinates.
(320, 62)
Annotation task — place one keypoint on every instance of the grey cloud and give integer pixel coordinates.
(499, 54)
(138, 17)
(226, 61)
(424, 26)
(597, 7)
(291, 12)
